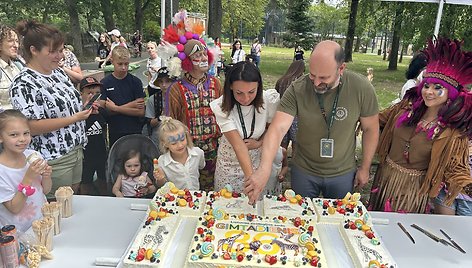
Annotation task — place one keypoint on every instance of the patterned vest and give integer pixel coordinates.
(200, 118)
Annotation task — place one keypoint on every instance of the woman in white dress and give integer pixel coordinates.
(242, 113)
(237, 53)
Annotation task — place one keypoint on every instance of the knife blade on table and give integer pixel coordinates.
(452, 241)
(433, 236)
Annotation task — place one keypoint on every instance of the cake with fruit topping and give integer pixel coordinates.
(364, 246)
(183, 201)
(150, 244)
(336, 210)
(289, 205)
(251, 241)
(230, 202)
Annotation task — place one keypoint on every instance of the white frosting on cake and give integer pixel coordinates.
(173, 199)
(153, 239)
(231, 205)
(337, 210)
(235, 242)
(365, 252)
(275, 206)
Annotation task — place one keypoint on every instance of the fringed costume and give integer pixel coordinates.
(418, 157)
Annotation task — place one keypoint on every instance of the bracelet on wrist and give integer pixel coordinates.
(27, 190)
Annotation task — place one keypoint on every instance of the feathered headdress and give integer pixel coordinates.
(180, 40)
(451, 67)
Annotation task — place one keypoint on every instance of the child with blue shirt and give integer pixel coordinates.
(123, 98)
(181, 161)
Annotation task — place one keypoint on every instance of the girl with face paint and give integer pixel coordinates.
(181, 161)
(423, 148)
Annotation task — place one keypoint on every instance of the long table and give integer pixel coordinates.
(104, 227)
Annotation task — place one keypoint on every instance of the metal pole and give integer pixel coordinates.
(163, 16)
(438, 18)
(163, 24)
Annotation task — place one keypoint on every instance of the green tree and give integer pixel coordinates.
(392, 64)
(244, 18)
(75, 26)
(107, 11)
(328, 20)
(139, 8)
(215, 18)
(299, 24)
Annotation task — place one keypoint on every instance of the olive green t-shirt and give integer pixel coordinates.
(356, 99)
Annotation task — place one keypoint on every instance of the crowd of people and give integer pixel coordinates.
(211, 134)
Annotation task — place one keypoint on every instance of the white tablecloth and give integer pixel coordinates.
(104, 227)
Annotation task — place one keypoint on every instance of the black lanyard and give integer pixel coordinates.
(329, 121)
(243, 125)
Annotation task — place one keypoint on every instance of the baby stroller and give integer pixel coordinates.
(138, 142)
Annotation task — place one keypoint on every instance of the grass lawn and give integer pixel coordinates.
(275, 61)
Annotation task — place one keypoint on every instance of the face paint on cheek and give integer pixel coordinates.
(203, 64)
(440, 92)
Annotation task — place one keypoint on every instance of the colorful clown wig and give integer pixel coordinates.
(181, 40)
(451, 67)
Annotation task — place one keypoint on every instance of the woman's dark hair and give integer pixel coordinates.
(38, 35)
(5, 33)
(294, 71)
(417, 64)
(127, 156)
(241, 71)
(234, 47)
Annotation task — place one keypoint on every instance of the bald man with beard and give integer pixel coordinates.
(329, 102)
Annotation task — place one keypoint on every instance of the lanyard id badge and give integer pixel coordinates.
(327, 144)
(326, 148)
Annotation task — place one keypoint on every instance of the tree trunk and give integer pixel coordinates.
(138, 16)
(107, 14)
(401, 53)
(385, 45)
(215, 15)
(74, 26)
(350, 31)
(171, 10)
(89, 21)
(358, 44)
(379, 52)
(397, 27)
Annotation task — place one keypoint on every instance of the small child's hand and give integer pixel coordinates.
(36, 168)
(143, 191)
(281, 177)
(159, 175)
(47, 172)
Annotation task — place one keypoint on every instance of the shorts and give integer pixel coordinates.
(66, 170)
(94, 163)
(460, 206)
